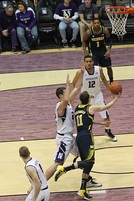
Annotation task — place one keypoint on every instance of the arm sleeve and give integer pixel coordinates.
(33, 19)
(76, 15)
(57, 17)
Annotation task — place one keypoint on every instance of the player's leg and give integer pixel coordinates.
(106, 62)
(99, 100)
(91, 181)
(30, 196)
(44, 195)
(86, 151)
(64, 146)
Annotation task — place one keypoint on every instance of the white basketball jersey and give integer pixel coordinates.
(65, 123)
(35, 163)
(91, 82)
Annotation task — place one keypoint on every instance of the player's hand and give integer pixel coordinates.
(116, 97)
(82, 67)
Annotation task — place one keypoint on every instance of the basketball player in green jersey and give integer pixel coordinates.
(84, 117)
(99, 44)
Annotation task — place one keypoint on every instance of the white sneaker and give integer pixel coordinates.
(110, 135)
(93, 183)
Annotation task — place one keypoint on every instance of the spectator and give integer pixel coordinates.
(8, 29)
(87, 11)
(26, 26)
(67, 13)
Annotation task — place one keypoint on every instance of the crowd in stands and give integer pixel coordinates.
(19, 21)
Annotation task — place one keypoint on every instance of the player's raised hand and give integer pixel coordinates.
(82, 66)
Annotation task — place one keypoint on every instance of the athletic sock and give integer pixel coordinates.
(83, 184)
(70, 167)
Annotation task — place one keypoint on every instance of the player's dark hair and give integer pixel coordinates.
(59, 91)
(88, 56)
(84, 97)
(24, 152)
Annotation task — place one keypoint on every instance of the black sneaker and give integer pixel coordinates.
(14, 50)
(25, 51)
(110, 135)
(65, 45)
(73, 45)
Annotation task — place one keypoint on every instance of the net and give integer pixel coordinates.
(118, 17)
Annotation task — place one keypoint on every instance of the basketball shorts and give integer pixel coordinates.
(66, 144)
(102, 61)
(85, 146)
(43, 195)
(99, 100)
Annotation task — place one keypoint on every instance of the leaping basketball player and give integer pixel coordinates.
(65, 127)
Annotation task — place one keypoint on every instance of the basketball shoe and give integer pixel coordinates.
(93, 183)
(109, 133)
(59, 172)
(84, 194)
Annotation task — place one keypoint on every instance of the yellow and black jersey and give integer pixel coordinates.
(97, 41)
(84, 120)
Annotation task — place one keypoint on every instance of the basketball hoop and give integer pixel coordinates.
(118, 17)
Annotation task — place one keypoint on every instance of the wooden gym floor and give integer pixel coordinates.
(114, 166)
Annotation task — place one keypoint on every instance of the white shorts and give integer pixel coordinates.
(66, 144)
(99, 100)
(44, 195)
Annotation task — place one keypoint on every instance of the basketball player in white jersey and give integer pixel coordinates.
(65, 140)
(64, 117)
(39, 188)
(91, 84)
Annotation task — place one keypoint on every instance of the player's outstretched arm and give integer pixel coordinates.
(76, 78)
(98, 108)
(78, 84)
(65, 100)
